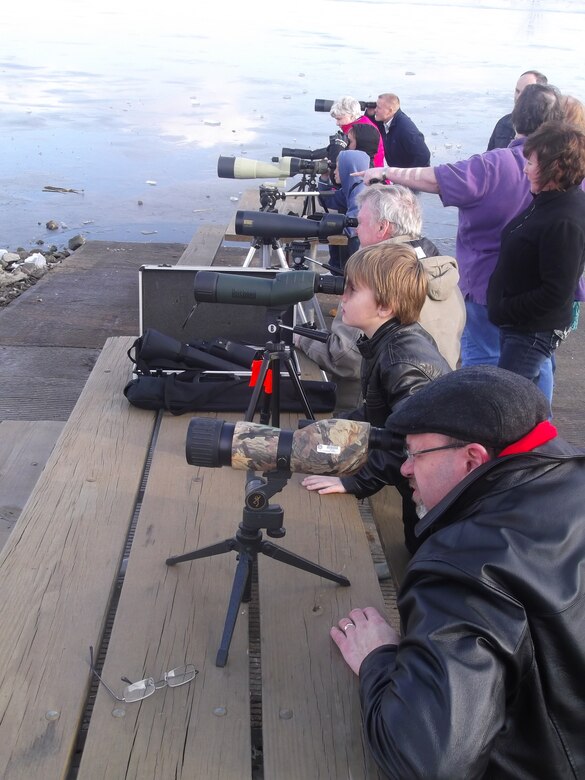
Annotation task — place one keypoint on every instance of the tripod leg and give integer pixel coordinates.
(241, 586)
(266, 256)
(285, 556)
(281, 257)
(301, 395)
(204, 552)
(250, 255)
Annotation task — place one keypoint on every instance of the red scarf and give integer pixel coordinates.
(544, 431)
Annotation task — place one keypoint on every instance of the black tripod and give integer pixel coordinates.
(258, 513)
(307, 188)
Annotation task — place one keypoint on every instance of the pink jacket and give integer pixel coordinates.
(379, 157)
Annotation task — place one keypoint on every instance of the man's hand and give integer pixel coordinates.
(360, 633)
(372, 175)
(323, 484)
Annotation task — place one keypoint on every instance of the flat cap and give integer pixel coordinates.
(484, 404)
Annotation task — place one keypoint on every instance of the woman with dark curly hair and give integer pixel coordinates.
(531, 292)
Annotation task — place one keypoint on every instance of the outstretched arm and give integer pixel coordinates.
(422, 179)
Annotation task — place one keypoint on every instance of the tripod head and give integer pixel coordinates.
(259, 514)
(269, 195)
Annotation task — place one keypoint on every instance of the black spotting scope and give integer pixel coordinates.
(268, 224)
(287, 287)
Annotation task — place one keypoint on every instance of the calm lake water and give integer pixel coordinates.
(104, 100)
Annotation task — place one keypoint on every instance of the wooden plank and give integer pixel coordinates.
(58, 568)
(204, 246)
(310, 701)
(387, 511)
(24, 449)
(170, 616)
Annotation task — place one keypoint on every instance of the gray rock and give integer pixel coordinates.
(52, 225)
(75, 242)
(7, 280)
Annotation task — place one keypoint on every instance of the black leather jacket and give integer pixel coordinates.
(489, 679)
(397, 361)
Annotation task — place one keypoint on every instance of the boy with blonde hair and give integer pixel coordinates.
(385, 288)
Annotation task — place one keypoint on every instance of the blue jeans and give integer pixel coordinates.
(480, 345)
(530, 355)
(480, 340)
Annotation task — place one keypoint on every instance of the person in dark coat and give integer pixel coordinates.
(531, 291)
(504, 133)
(404, 144)
(485, 679)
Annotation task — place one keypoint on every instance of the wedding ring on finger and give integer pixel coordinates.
(348, 625)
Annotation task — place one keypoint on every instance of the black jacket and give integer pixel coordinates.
(404, 144)
(397, 361)
(489, 679)
(503, 133)
(541, 259)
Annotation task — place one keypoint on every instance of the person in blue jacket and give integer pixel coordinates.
(344, 201)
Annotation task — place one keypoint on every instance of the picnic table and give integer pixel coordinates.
(85, 566)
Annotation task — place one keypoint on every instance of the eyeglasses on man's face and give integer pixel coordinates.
(144, 688)
(411, 455)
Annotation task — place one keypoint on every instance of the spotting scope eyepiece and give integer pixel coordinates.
(279, 168)
(327, 105)
(333, 446)
(287, 287)
(268, 224)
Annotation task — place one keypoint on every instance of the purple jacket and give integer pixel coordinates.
(489, 189)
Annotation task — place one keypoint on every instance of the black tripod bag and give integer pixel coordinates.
(202, 390)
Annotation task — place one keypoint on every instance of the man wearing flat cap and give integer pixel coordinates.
(487, 676)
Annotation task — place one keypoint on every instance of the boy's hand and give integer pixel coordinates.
(323, 484)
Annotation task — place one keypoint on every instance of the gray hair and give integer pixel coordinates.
(346, 106)
(396, 204)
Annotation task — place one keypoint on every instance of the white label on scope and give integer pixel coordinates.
(329, 449)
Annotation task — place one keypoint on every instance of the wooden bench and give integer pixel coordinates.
(60, 569)
(25, 446)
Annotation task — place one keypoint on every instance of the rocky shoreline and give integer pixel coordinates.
(22, 269)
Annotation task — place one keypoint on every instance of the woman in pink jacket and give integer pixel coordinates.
(347, 112)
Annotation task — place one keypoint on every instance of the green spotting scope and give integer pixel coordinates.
(288, 287)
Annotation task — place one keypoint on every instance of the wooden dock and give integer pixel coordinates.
(96, 494)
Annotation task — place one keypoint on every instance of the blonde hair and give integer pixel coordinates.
(573, 111)
(394, 274)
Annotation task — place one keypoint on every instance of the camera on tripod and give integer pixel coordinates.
(337, 143)
(326, 105)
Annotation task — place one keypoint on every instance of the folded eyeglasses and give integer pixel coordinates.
(144, 688)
